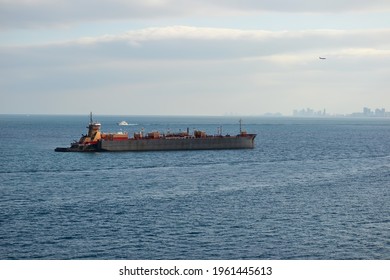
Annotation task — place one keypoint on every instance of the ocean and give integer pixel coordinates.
(311, 189)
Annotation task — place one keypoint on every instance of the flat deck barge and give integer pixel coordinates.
(97, 141)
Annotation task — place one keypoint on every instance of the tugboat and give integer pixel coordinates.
(96, 141)
(88, 142)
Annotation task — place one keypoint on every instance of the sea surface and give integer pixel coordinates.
(311, 189)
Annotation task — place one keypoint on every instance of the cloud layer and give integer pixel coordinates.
(188, 70)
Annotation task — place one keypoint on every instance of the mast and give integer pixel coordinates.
(240, 121)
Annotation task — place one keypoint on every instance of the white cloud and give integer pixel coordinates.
(301, 6)
(234, 41)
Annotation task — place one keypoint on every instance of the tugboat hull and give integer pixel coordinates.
(78, 148)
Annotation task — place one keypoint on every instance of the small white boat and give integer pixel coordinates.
(123, 123)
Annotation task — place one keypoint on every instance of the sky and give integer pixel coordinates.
(193, 57)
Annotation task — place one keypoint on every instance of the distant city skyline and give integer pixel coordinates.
(366, 112)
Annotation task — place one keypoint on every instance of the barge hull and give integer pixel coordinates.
(208, 143)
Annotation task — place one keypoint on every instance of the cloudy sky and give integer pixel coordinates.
(193, 57)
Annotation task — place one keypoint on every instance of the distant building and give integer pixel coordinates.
(308, 112)
(367, 112)
(380, 112)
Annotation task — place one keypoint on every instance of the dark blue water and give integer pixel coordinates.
(311, 189)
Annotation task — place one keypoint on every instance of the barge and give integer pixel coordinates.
(97, 141)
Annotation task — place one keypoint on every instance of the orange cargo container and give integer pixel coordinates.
(154, 135)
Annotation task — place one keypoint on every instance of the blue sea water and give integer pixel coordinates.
(311, 189)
